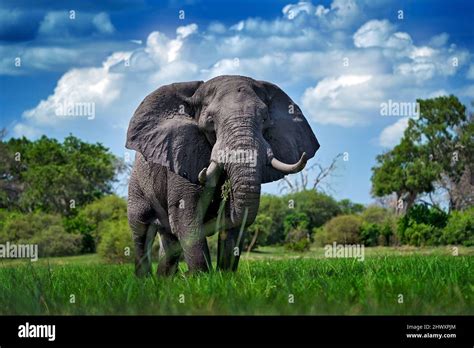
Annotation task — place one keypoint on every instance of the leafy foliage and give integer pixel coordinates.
(45, 230)
(258, 232)
(460, 228)
(116, 244)
(297, 232)
(344, 229)
(413, 226)
(56, 177)
(436, 147)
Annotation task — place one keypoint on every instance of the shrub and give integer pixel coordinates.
(116, 244)
(460, 228)
(18, 227)
(421, 234)
(298, 240)
(54, 241)
(341, 229)
(297, 233)
(369, 233)
(45, 230)
(380, 219)
(420, 214)
(91, 219)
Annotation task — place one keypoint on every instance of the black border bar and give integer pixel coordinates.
(261, 330)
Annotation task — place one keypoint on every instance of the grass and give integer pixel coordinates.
(431, 281)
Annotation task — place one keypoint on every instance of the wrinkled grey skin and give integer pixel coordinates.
(177, 131)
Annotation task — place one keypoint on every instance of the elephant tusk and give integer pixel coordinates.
(289, 168)
(208, 174)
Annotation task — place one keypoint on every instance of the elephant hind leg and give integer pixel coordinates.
(170, 252)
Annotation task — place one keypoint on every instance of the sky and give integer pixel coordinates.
(339, 60)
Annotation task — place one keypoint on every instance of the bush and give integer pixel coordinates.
(421, 222)
(90, 220)
(343, 229)
(379, 226)
(116, 244)
(298, 240)
(460, 228)
(421, 234)
(46, 230)
(54, 241)
(297, 233)
(370, 233)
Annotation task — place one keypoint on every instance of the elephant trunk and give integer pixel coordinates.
(244, 155)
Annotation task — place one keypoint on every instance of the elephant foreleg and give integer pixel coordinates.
(170, 251)
(196, 252)
(229, 248)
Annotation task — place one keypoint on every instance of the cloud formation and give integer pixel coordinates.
(337, 64)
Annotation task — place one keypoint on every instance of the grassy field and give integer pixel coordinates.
(272, 281)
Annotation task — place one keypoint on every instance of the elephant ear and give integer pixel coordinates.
(288, 134)
(165, 132)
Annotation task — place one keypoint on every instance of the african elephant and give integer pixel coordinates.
(192, 138)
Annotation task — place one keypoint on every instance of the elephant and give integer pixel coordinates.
(203, 150)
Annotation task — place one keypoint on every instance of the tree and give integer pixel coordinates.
(276, 208)
(10, 185)
(57, 177)
(437, 148)
(318, 207)
(298, 236)
(258, 231)
(349, 207)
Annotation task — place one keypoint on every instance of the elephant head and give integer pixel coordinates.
(248, 130)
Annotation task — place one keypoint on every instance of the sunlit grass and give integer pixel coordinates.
(430, 284)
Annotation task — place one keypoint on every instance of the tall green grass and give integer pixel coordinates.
(429, 285)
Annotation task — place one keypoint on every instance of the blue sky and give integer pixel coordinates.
(339, 60)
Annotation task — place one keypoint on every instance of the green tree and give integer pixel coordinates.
(258, 232)
(57, 177)
(437, 147)
(10, 185)
(275, 208)
(318, 207)
(348, 207)
(297, 233)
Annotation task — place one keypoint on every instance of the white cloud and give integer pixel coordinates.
(335, 100)
(79, 24)
(304, 55)
(374, 33)
(420, 62)
(392, 134)
(439, 40)
(105, 86)
(341, 14)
